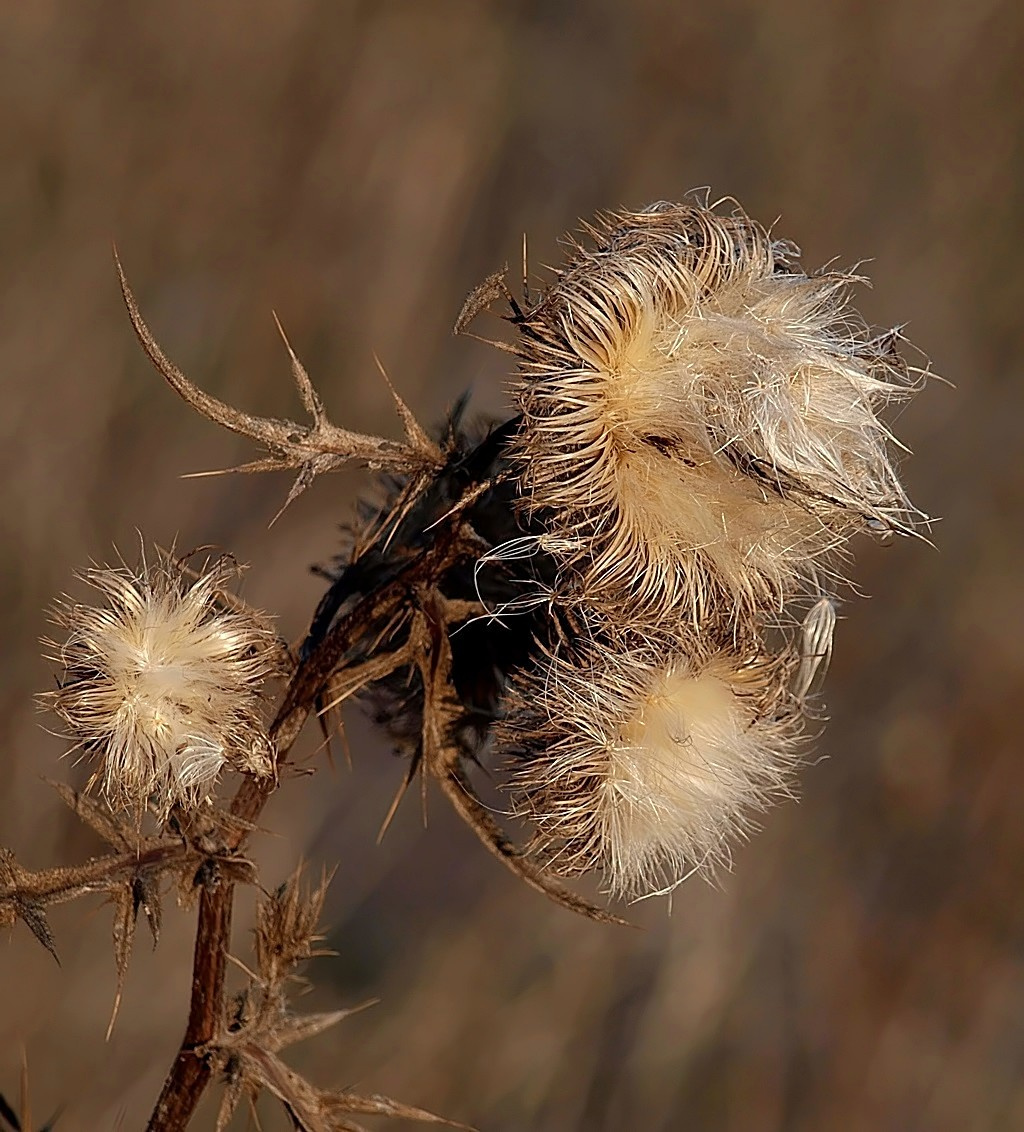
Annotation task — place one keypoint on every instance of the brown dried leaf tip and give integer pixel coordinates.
(20, 1120)
(161, 683)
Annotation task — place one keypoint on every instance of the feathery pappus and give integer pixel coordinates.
(645, 762)
(701, 427)
(162, 681)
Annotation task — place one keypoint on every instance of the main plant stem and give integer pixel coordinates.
(191, 1071)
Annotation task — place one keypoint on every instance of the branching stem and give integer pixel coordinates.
(191, 1071)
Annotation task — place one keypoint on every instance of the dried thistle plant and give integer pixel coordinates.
(619, 599)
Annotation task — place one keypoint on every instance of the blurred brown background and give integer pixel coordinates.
(357, 167)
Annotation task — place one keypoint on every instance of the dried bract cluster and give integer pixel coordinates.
(262, 1023)
(162, 682)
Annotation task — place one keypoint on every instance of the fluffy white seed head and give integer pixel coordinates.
(647, 766)
(161, 682)
(701, 420)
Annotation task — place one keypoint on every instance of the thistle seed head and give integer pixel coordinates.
(161, 682)
(700, 418)
(645, 765)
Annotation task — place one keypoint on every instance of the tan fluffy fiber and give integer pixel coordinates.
(700, 418)
(646, 765)
(162, 681)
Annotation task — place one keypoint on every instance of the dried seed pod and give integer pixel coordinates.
(473, 492)
(161, 682)
(701, 424)
(646, 764)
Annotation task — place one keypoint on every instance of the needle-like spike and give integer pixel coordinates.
(310, 449)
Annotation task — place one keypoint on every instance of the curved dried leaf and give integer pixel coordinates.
(377, 1105)
(125, 916)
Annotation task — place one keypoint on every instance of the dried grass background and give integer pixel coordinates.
(358, 167)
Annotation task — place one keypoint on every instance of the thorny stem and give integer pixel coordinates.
(97, 873)
(191, 1071)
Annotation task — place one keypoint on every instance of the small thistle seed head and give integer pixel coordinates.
(646, 764)
(700, 418)
(161, 682)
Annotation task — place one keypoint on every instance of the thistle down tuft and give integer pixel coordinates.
(161, 682)
(645, 763)
(700, 417)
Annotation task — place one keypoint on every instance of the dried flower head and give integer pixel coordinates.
(161, 682)
(701, 422)
(646, 765)
(474, 491)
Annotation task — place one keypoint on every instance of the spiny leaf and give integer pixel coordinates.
(125, 916)
(300, 1098)
(14, 877)
(238, 1085)
(296, 1028)
(415, 434)
(307, 393)
(310, 450)
(318, 1110)
(141, 892)
(377, 1105)
(146, 894)
(481, 297)
(287, 927)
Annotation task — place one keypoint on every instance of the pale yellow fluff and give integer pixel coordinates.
(647, 765)
(700, 419)
(161, 683)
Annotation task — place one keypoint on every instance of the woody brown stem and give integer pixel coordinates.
(191, 1071)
